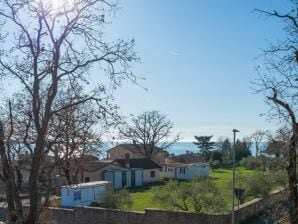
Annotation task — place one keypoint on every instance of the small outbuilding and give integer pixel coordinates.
(151, 170)
(83, 194)
(184, 171)
(123, 178)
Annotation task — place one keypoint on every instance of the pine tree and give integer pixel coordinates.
(205, 145)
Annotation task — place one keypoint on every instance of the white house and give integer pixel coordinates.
(184, 171)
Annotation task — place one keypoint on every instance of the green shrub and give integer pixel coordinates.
(198, 195)
(215, 164)
(280, 178)
(116, 199)
(252, 162)
(259, 184)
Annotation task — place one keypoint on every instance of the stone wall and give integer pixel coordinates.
(82, 215)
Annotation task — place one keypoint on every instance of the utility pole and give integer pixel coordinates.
(233, 181)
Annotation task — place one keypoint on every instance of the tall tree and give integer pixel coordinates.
(225, 146)
(278, 142)
(205, 145)
(52, 47)
(72, 136)
(258, 137)
(242, 149)
(278, 83)
(148, 130)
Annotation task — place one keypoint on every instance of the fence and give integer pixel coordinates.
(90, 215)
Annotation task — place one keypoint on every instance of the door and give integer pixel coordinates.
(124, 179)
(133, 178)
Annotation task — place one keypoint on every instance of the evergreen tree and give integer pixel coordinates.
(205, 145)
(242, 150)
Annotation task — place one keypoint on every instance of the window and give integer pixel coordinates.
(126, 155)
(182, 170)
(87, 179)
(152, 173)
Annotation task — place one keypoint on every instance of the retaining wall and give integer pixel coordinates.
(90, 215)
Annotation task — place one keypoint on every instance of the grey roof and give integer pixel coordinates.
(142, 163)
(185, 164)
(97, 164)
(135, 148)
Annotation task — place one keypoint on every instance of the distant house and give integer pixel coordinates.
(123, 172)
(151, 170)
(135, 151)
(188, 157)
(184, 171)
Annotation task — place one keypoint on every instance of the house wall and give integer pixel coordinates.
(167, 172)
(192, 171)
(109, 176)
(147, 176)
(119, 152)
(117, 179)
(128, 178)
(97, 174)
(88, 194)
(139, 177)
(182, 176)
(204, 171)
(159, 157)
(115, 176)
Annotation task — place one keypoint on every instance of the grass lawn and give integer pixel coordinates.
(142, 197)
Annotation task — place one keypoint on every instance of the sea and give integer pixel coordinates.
(177, 148)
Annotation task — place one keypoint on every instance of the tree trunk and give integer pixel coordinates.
(15, 207)
(67, 175)
(33, 181)
(292, 176)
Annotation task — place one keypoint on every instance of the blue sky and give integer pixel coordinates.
(198, 58)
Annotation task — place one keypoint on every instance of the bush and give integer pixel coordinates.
(116, 199)
(259, 184)
(276, 164)
(263, 163)
(198, 195)
(280, 178)
(252, 162)
(215, 164)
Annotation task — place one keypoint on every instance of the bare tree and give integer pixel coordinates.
(278, 142)
(8, 175)
(148, 130)
(51, 48)
(278, 81)
(72, 135)
(257, 137)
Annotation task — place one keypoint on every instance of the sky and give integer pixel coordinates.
(198, 59)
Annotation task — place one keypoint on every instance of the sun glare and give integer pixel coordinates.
(58, 4)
